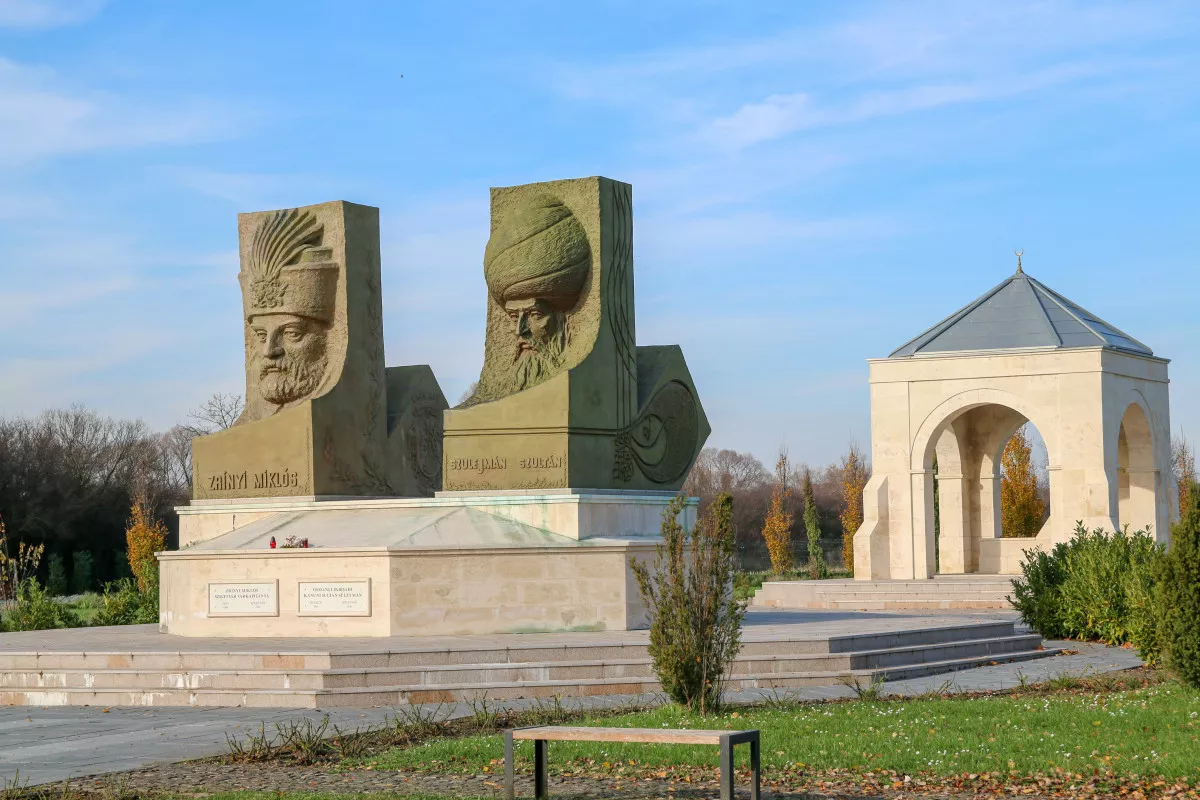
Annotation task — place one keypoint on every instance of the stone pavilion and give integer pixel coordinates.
(1019, 353)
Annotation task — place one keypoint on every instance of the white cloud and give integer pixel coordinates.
(40, 118)
(47, 13)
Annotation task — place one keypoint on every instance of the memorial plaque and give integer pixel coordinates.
(243, 599)
(336, 598)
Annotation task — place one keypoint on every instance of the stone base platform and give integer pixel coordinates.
(457, 563)
(944, 592)
(138, 666)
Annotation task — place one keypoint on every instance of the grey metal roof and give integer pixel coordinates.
(1020, 313)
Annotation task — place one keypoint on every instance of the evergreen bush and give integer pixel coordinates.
(1037, 593)
(695, 621)
(82, 571)
(1177, 594)
(125, 604)
(1100, 586)
(56, 581)
(36, 610)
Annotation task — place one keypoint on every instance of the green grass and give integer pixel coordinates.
(87, 606)
(745, 584)
(1144, 732)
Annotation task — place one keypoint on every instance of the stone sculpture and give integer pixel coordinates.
(323, 415)
(565, 398)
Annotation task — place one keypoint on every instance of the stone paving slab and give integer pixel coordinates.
(52, 744)
(762, 624)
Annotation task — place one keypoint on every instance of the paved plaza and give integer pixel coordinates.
(44, 745)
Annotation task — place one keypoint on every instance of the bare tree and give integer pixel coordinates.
(218, 413)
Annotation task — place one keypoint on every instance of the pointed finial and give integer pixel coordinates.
(1018, 253)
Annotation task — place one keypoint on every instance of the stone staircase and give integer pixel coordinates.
(315, 679)
(943, 592)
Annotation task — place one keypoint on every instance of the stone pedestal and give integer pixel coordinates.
(457, 563)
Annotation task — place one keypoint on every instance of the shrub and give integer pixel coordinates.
(1097, 587)
(144, 537)
(1095, 594)
(82, 571)
(125, 604)
(695, 622)
(1037, 593)
(36, 610)
(1177, 593)
(56, 581)
(16, 570)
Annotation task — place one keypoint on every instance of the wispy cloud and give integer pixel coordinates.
(40, 118)
(47, 13)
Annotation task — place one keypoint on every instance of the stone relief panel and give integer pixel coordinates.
(536, 265)
(324, 416)
(289, 287)
(661, 443)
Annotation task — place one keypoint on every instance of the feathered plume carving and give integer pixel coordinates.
(278, 242)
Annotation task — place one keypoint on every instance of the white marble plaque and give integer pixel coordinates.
(243, 599)
(349, 597)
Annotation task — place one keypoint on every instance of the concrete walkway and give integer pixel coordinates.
(43, 745)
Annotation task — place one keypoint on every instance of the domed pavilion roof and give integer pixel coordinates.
(1019, 314)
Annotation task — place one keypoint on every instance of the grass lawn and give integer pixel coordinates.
(1148, 732)
(332, 796)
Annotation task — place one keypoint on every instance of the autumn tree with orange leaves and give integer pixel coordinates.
(777, 526)
(1022, 509)
(855, 474)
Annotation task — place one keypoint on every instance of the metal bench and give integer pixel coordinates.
(543, 735)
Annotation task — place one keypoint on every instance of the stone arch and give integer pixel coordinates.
(1139, 481)
(968, 432)
(948, 410)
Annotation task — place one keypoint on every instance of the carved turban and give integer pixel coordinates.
(287, 271)
(539, 250)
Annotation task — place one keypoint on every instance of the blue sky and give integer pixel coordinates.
(814, 183)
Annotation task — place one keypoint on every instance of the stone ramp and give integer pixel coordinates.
(140, 667)
(945, 592)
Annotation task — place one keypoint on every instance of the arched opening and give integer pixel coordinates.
(964, 494)
(1137, 478)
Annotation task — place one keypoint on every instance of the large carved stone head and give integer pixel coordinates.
(289, 286)
(536, 264)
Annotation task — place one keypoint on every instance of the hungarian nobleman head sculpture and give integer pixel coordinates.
(289, 290)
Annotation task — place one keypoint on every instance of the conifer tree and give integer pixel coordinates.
(777, 526)
(1178, 596)
(812, 529)
(1021, 506)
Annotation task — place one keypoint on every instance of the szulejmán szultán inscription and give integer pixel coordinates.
(507, 472)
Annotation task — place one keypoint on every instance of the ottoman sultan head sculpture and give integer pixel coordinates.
(535, 265)
(565, 398)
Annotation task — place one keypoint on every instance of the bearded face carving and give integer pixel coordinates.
(535, 264)
(288, 287)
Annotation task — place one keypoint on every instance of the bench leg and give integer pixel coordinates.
(755, 769)
(509, 788)
(540, 764)
(726, 769)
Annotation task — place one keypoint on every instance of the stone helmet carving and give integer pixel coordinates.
(287, 269)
